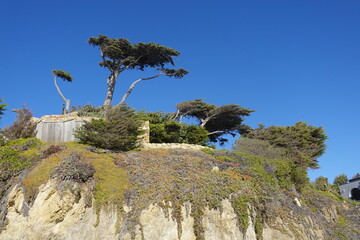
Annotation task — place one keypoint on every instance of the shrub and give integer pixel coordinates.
(51, 150)
(17, 155)
(119, 131)
(23, 144)
(23, 127)
(165, 130)
(71, 168)
(89, 111)
(321, 183)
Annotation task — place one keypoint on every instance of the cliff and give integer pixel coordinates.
(72, 191)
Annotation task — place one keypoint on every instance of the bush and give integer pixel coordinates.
(23, 127)
(23, 144)
(119, 131)
(165, 130)
(71, 168)
(89, 111)
(51, 150)
(14, 156)
(321, 183)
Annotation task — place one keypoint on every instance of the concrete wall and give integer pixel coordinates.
(345, 190)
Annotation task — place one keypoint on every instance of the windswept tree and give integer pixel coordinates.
(218, 121)
(66, 77)
(304, 143)
(119, 55)
(2, 108)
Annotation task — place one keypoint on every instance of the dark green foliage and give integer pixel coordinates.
(71, 168)
(218, 121)
(299, 177)
(119, 131)
(63, 75)
(303, 142)
(23, 127)
(179, 73)
(2, 108)
(165, 130)
(321, 183)
(340, 180)
(120, 53)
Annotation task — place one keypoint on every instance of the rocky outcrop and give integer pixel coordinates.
(69, 216)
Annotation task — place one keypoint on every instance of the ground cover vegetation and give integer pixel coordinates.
(175, 179)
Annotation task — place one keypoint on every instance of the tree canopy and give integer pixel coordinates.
(218, 121)
(120, 54)
(304, 143)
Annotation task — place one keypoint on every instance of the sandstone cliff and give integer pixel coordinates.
(165, 194)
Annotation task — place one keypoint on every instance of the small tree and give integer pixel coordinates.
(340, 180)
(119, 131)
(66, 77)
(23, 127)
(218, 121)
(119, 55)
(304, 143)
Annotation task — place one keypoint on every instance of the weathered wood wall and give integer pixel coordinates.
(57, 131)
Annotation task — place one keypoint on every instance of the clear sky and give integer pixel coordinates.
(288, 60)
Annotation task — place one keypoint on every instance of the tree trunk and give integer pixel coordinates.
(67, 106)
(67, 101)
(111, 81)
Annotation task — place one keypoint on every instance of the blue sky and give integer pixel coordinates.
(288, 60)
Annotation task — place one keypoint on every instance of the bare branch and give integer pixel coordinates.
(133, 85)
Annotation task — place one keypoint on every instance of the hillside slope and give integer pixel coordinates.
(73, 191)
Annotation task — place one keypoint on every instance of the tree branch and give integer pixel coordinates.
(133, 85)
(215, 132)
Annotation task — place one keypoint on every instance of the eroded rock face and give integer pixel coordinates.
(68, 216)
